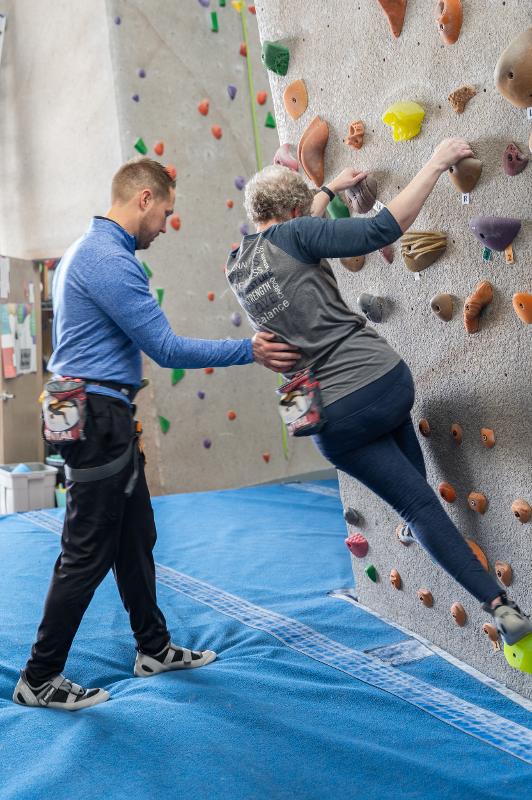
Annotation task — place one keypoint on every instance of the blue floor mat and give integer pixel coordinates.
(265, 721)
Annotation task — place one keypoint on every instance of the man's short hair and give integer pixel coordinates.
(138, 174)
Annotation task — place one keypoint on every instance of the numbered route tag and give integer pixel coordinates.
(529, 112)
(465, 199)
(509, 254)
(378, 206)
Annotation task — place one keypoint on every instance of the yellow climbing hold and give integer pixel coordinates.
(404, 119)
(519, 655)
(237, 5)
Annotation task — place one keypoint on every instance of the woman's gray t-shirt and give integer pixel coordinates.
(284, 286)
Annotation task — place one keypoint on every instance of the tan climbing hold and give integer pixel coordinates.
(355, 136)
(513, 73)
(449, 16)
(477, 502)
(353, 264)
(504, 572)
(458, 614)
(395, 11)
(477, 300)
(487, 437)
(420, 249)
(461, 97)
(311, 149)
(522, 304)
(457, 433)
(395, 579)
(426, 597)
(424, 427)
(295, 98)
(492, 634)
(479, 552)
(447, 492)
(521, 510)
(442, 305)
(465, 174)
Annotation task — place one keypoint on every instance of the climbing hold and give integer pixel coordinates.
(284, 158)
(141, 73)
(160, 296)
(171, 170)
(395, 11)
(244, 230)
(465, 174)
(266, 457)
(275, 56)
(158, 148)
(117, 20)
(204, 3)
(240, 182)
(175, 222)
(295, 98)
(513, 73)
(216, 131)
(261, 98)
(395, 579)
(252, 9)
(477, 502)
(504, 572)
(177, 375)
(495, 232)
(203, 107)
(351, 516)
(522, 304)
(387, 252)
(353, 264)
(404, 534)
(236, 319)
(461, 97)
(237, 5)
(361, 197)
(492, 634)
(447, 492)
(201, 395)
(140, 146)
(214, 22)
(207, 443)
(164, 424)
(521, 510)
(355, 136)
(243, 49)
(519, 655)
(371, 572)
(135, 98)
(442, 305)
(229, 203)
(513, 160)
(449, 16)
(457, 433)
(231, 91)
(358, 545)
(371, 306)
(210, 296)
(311, 149)
(405, 119)
(479, 552)
(208, 370)
(231, 415)
(424, 427)
(458, 614)
(147, 270)
(420, 249)
(487, 437)
(269, 122)
(337, 209)
(426, 597)
(481, 296)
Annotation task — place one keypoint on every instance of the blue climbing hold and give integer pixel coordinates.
(231, 91)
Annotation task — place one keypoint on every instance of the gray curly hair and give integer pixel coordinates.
(274, 192)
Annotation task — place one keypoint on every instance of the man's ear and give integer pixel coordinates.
(145, 199)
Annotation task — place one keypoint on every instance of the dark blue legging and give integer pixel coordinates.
(370, 436)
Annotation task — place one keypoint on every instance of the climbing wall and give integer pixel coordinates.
(355, 69)
(191, 91)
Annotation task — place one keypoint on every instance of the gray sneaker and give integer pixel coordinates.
(57, 693)
(511, 623)
(171, 658)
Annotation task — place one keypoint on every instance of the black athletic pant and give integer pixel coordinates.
(103, 530)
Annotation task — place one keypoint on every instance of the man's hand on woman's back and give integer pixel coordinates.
(273, 355)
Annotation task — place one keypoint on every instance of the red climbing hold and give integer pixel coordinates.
(243, 49)
(229, 203)
(261, 98)
(171, 170)
(252, 9)
(358, 545)
(175, 222)
(208, 370)
(210, 296)
(203, 107)
(266, 457)
(159, 148)
(231, 415)
(216, 131)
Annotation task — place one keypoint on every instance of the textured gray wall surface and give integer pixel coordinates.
(354, 69)
(185, 62)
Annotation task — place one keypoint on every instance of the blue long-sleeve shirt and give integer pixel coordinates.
(104, 315)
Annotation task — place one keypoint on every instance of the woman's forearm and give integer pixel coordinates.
(407, 204)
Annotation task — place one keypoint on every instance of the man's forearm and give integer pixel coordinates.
(408, 203)
(197, 353)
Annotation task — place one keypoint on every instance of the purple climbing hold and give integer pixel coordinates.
(236, 319)
(207, 443)
(204, 3)
(240, 182)
(135, 97)
(244, 230)
(201, 395)
(231, 91)
(495, 232)
(117, 20)
(513, 160)
(141, 73)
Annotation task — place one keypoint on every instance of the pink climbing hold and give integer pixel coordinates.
(387, 253)
(358, 545)
(284, 158)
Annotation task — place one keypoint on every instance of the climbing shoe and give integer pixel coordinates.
(57, 693)
(515, 629)
(171, 658)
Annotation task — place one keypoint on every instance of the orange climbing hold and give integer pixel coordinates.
(175, 222)
(447, 492)
(210, 296)
(426, 597)
(208, 370)
(231, 415)
(395, 11)
(229, 203)
(458, 614)
(395, 579)
(203, 107)
(522, 304)
(521, 510)
(424, 427)
(295, 98)
(216, 131)
(171, 170)
(457, 433)
(266, 457)
(261, 98)
(477, 502)
(252, 9)
(504, 572)
(243, 49)
(158, 148)
(487, 437)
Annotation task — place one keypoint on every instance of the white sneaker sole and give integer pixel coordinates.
(95, 700)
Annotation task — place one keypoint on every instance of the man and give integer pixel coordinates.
(104, 317)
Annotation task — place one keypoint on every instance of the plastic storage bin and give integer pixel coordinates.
(25, 491)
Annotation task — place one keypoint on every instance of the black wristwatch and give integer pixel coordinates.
(328, 192)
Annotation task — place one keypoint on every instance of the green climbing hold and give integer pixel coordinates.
(140, 146)
(160, 295)
(147, 270)
(214, 22)
(177, 375)
(275, 56)
(270, 121)
(337, 209)
(222, 3)
(486, 254)
(371, 572)
(164, 424)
